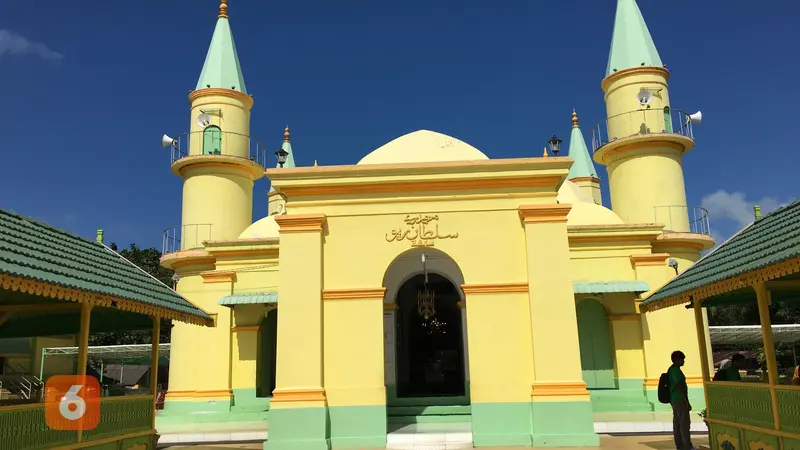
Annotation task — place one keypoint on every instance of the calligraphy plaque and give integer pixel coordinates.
(420, 229)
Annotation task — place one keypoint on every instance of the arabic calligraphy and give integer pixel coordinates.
(420, 229)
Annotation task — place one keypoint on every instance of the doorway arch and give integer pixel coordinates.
(425, 357)
(597, 351)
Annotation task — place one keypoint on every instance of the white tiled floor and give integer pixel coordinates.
(444, 436)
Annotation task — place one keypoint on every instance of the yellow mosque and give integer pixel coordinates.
(428, 282)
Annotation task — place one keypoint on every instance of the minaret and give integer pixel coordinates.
(643, 140)
(277, 201)
(221, 162)
(582, 171)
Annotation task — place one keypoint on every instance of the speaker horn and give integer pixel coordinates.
(644, 97)
(203, 120)
(167, 141)
(695, 118)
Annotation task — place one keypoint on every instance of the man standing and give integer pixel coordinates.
(679, 399)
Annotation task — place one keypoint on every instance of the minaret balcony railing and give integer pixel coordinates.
(683, 219)
(641, 122)
(185, 237)
(213, 141)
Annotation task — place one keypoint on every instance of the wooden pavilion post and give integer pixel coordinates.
(764, 300)
(701, 341)
(154, 365)
(83, 346)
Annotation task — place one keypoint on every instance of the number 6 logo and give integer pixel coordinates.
(72, 402)
(72, 407)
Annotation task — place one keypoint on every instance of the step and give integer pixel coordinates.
(424, 410)
(407, 420)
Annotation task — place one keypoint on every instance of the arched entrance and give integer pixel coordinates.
(425, 357)
(429, 345)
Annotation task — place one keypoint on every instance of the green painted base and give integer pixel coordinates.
(563, 424)
(628, 396)
(501, 424)
(244, 406)
(298, 429)
(248, 400)
(357, 427)
(696, 398)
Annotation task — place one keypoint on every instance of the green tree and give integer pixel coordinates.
(148, 259)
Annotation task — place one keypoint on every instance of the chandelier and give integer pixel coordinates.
(426, 298)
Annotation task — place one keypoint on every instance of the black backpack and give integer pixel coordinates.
(663, 388)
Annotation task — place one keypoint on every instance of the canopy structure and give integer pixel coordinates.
(750, 335)
(122, 355)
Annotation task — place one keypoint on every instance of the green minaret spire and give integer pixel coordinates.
(631, 44)
(583, 166)
(221, 68)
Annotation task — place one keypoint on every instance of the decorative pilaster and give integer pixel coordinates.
(299, 395)
(558, 389)
(353, 364)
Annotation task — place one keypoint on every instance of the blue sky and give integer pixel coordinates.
(88, 89)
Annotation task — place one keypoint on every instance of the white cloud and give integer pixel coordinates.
(13, 44)
(736, 207)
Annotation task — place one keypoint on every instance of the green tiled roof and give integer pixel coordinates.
(249, 298)
(609, 287)
(770, 240)
(34, 250)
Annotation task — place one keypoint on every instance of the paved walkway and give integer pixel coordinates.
(660, 442)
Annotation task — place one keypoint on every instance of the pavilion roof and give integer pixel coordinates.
(46, 262)
(765, 250)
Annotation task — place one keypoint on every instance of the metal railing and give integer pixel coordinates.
(213, 141)
(641, 122)
(185, 237)
(683, 219)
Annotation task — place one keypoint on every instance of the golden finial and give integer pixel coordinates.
(574, 118)
(223, 9)
(545, 155)
(286, 134)
(315, 163)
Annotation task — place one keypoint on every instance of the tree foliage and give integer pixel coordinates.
(148, 259)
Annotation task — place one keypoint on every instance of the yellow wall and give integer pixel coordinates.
(217, 205)
(244, 344)
(202, 350)
(231, 115)
(645, 177)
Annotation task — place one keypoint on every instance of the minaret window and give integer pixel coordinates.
(667, 120)
(212, 140)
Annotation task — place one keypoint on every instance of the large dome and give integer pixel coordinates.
(261, 229)
(423, 146)
(584, 210)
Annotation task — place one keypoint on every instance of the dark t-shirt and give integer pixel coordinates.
(677, 384)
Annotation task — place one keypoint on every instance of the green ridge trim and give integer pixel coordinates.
(249, 298)
(609, 287)
(221, 68)
(299, 429)
(631, 44)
